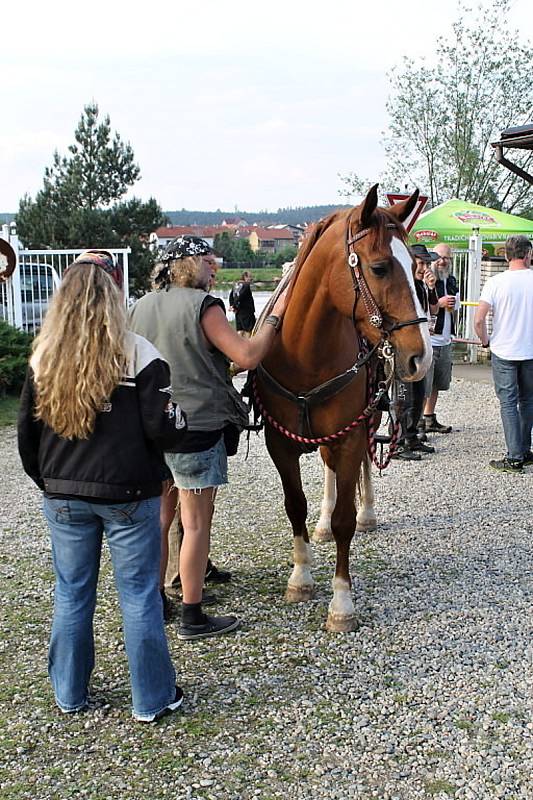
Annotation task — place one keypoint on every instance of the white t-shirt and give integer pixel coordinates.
(510, 296)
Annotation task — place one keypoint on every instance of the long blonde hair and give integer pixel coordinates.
(79, 355)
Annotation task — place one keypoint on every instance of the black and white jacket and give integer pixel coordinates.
(123, 458)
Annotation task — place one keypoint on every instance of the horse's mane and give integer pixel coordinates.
(379, 222)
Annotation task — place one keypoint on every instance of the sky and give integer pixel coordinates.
(240, 105)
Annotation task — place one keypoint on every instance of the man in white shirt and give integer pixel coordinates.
(509, 296)
(439, 375)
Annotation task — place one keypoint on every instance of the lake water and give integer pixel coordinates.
(260, 300)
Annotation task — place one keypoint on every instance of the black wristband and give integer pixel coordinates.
(273, 320)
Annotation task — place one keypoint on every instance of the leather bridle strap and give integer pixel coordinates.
(362, 289)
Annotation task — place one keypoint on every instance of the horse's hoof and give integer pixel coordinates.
(299, 594)
(322, 535)
(342, 624)
(366, 526)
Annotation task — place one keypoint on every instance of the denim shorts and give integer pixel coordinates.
(199, 470)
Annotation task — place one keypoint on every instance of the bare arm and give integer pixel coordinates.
(480, 322)
(247, 353)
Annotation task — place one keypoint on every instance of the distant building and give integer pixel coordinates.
(266, 240)
(165, 234)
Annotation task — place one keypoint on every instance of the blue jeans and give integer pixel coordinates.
(513, 382)
(134, 539)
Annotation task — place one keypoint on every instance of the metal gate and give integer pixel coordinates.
(25, 296)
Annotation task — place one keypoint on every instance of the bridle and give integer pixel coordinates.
(361, 288)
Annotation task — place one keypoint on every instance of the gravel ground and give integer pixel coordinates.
(431, 697)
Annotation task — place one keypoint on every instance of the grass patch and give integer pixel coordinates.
(9, 406)
(439, 786)
(501, 716)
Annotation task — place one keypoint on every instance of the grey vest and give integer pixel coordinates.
(201, 383)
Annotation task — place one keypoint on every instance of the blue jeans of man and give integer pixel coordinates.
(513, 382)
(133, 535)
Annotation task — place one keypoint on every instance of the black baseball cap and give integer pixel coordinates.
(420, 251)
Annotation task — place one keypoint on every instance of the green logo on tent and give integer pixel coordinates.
(477, 217)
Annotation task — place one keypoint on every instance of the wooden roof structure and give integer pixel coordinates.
(518, 138)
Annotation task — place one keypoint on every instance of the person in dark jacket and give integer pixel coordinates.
(410, 446)
(242, 303)
(95, 416)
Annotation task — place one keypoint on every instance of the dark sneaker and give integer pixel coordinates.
(213, 626)
(167, 606)
(420, 447)
(215, 575)
(176, 703)
(432, 426)
(506, 465)
(406, 454)
(528, 458)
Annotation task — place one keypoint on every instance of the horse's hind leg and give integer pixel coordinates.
(300, 586)
(323, 527)
(366, 516)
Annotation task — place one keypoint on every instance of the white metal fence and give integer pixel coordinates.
(25, 296)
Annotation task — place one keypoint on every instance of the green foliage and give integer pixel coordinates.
(80, 202)
(15, 347)
(299, 215)
(235, 252)
(287, 254)
(444, 115)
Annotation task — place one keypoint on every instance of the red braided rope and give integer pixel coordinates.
(381, 465)
(365, 415)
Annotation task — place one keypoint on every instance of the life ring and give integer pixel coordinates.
(7, 251)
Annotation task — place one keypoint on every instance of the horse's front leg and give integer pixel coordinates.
(341, 612)
(323, 527)
(300, 586)
(366, 515)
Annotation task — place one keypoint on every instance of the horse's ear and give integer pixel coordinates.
(403, 209)
(369, 206)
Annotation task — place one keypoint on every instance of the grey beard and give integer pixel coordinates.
(442, 274)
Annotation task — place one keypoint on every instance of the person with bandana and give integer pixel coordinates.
(189, 327)
(95, 417)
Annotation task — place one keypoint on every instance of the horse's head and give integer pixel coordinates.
(371, 279)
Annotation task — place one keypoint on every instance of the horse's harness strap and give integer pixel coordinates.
(361, 288)
(319, 394)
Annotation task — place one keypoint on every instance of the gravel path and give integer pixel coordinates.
(431, 697)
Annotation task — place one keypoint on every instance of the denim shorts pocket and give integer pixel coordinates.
(194, 463)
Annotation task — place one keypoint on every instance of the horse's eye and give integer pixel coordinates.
(379, 270)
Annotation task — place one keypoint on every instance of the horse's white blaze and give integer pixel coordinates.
(303, 559)
(401, 253)
(341, 604)
(328, 500)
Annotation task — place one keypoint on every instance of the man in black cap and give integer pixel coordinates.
(410, 446)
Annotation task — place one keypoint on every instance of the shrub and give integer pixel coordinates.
(15, 347)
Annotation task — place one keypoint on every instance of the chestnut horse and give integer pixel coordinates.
(352, 284)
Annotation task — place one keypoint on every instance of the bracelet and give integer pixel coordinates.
(273, 320)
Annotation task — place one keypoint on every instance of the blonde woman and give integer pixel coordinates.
(95, 416)
(189, 327)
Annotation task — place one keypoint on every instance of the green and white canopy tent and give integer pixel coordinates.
(455, 221)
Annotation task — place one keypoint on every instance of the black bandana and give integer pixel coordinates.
(185, 246)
